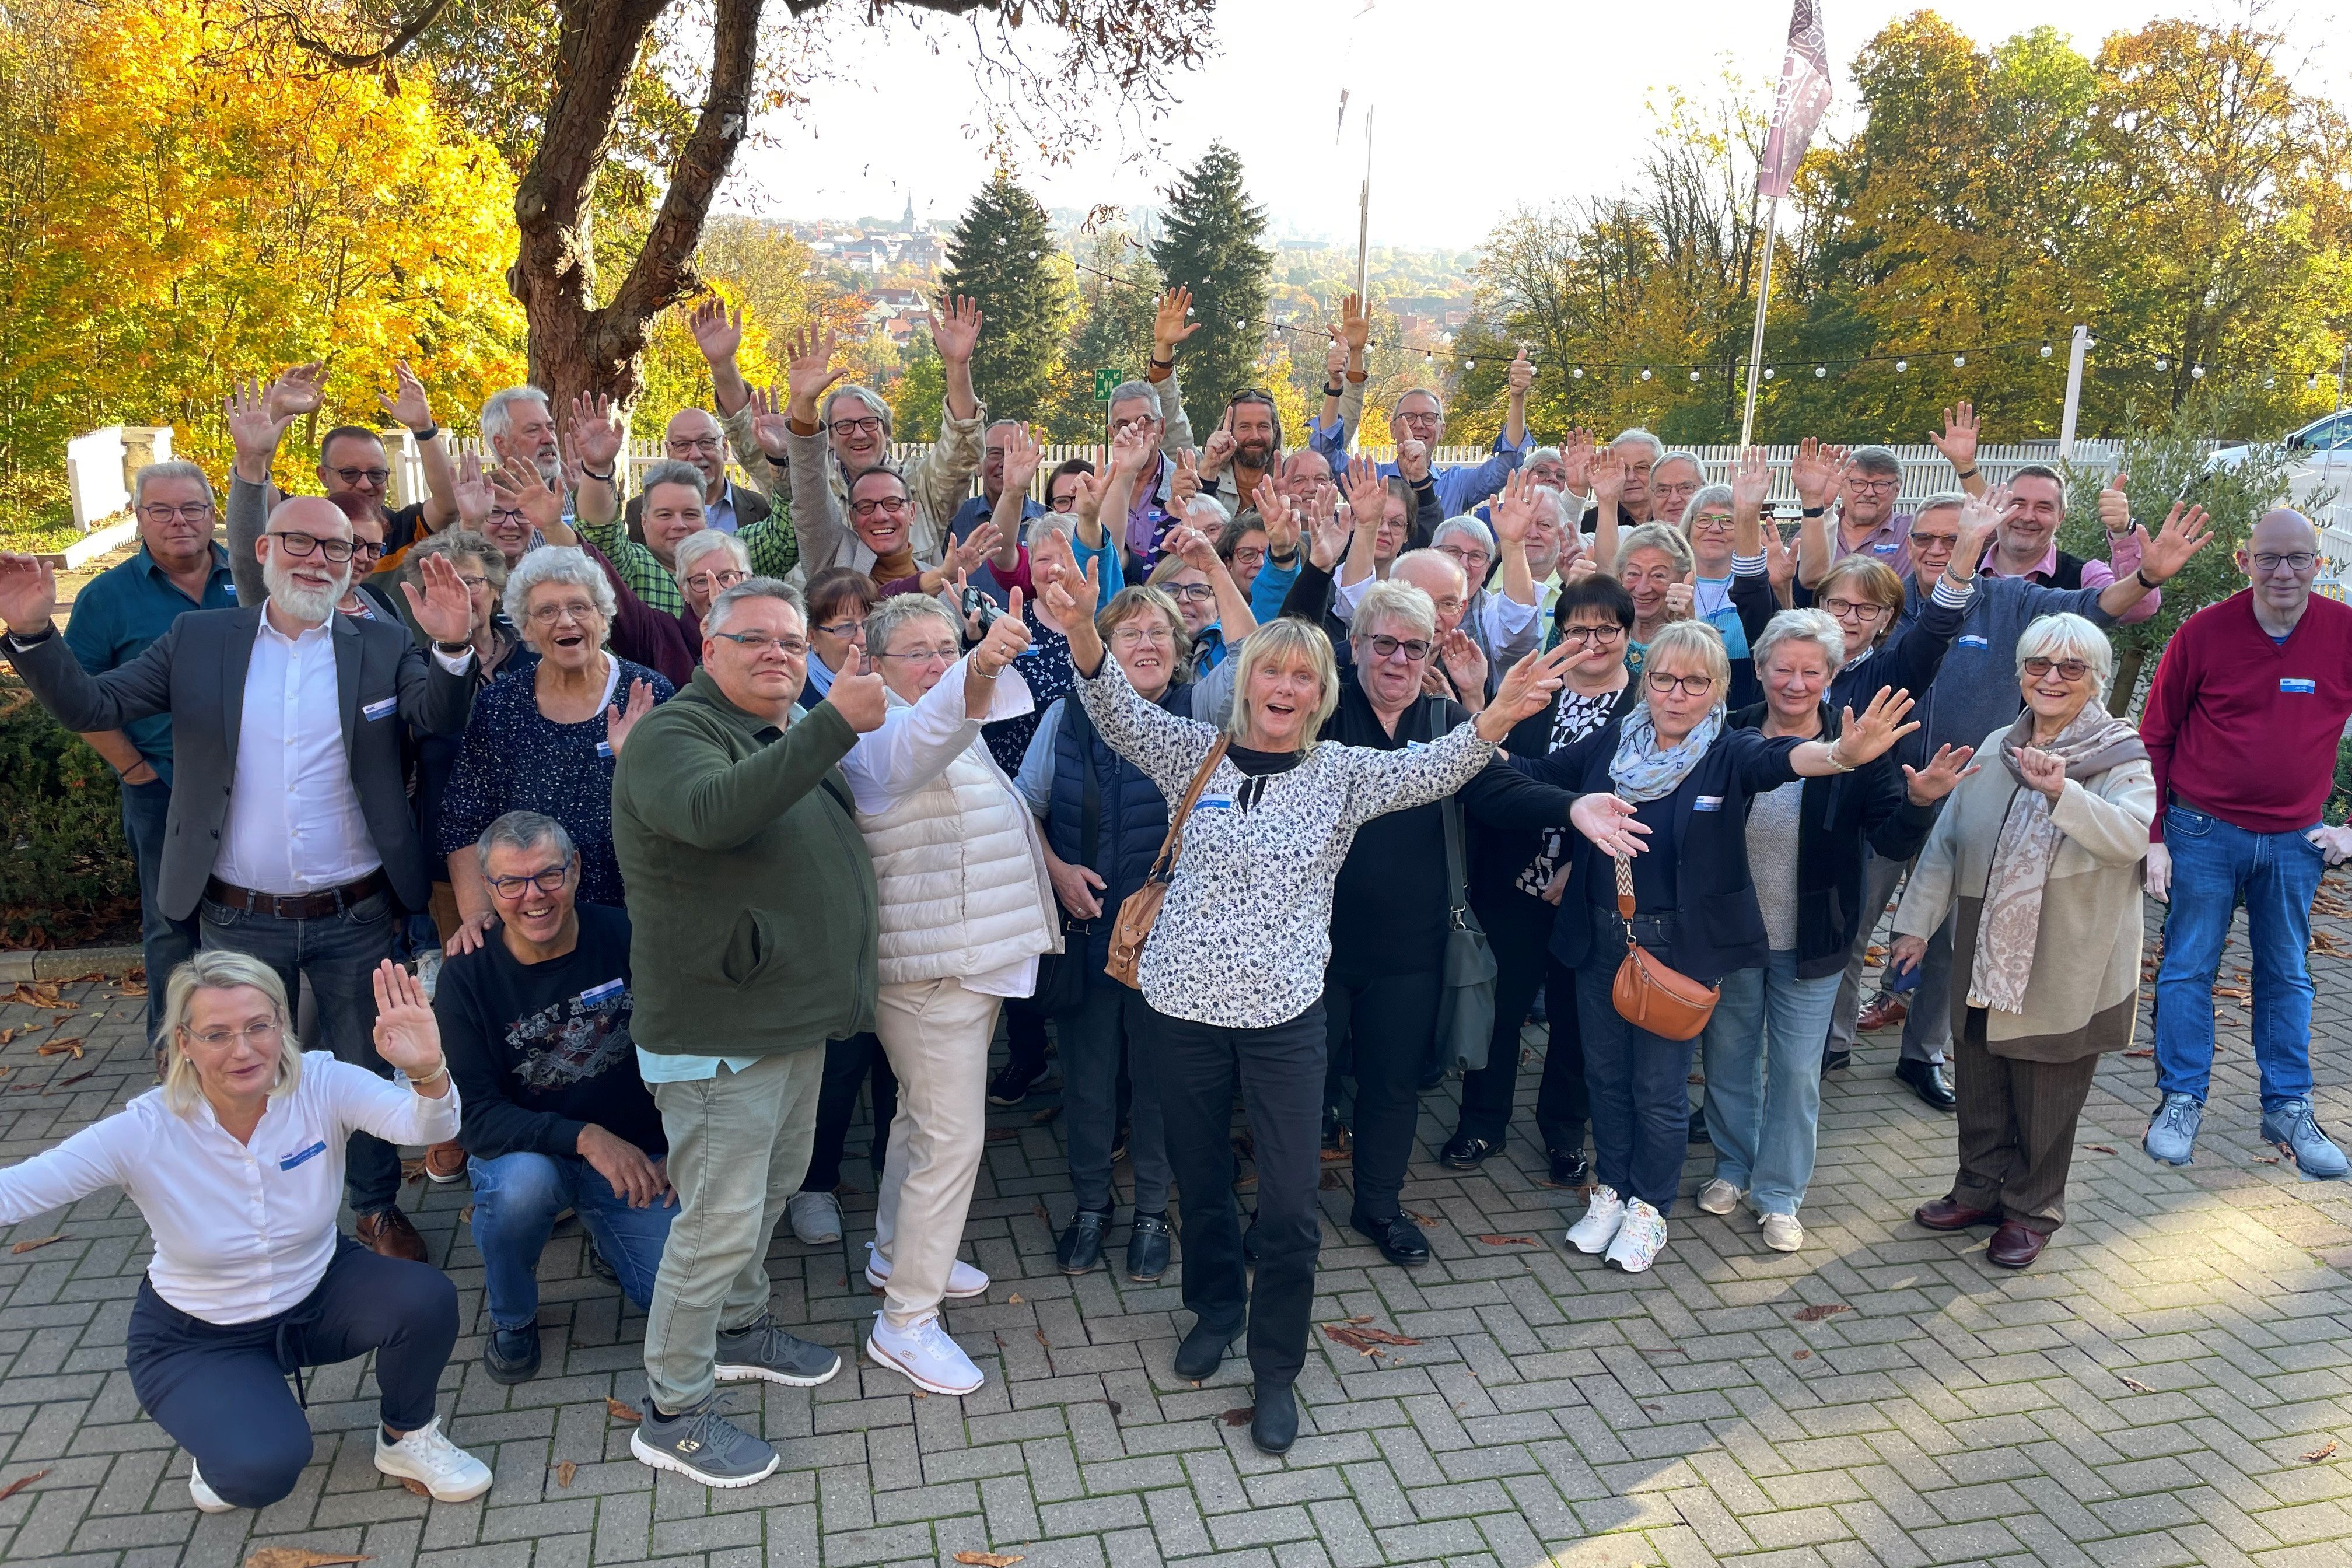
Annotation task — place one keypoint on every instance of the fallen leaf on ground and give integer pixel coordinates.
(2098, 1148)
(7, 1035)
(1365, 1319)
(34, 996)
(988, 1559)
(1047, 1114)
(66, 1082)
(1362, 1341)
(2311, 1458)
(29, 1246)
(2135, 1385)
(299, 1557)
(565, 1471)
(1505, 1240)
(1331, 1155)
(467, 1213)
(1657, 1409)
(1802, 1355)
(1014, 1300)
(998, 1134)
(2266, 1159)
(411, 1484)
(620, 1412)
(1422, 1218)
(21, 1482)
(1240, 1417)
(1819, 1310)
(1039, 1210)
(2139, 1053)
(60, 1047)
(132, 988)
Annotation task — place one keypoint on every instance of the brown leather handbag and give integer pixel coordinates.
(1648, 994)
(1140, 912)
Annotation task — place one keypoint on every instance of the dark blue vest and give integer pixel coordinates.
(1133, 813)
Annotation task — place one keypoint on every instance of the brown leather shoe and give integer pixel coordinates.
(389, 1234)
(2015, 1245)
(1881, 1014)
(1942, 1213)
(446, 1163)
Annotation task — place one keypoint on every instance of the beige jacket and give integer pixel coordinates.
(938, 480)
(2084, 996)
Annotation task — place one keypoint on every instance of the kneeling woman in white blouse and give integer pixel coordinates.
(237, 1162)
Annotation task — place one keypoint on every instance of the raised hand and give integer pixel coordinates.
(807, 372)
(1521, 374)
(300, 389)
(1881, 725)
(1780, 559)
(2114, 505)
(28, 592)
(2044, 771)
(1609, 822)
(1607, 479)
(1131, 451)
(407, 1035)
(444, 611)
(954, 335)
(770, 428)
(975, 548)
(1751, 482)
(1051, 558)
(1275, 515)
(407, 404)
(1959, 441)
(1576, 456)
(1980, 519)
(472, 493)
(255, 428)
(1355, 326)
(861, 698)
(1515, 509)
(1526, 689)
(1368, 492)
(2186, 531)
(1941, 776)
(1218, 450)
(1007, 639)
(1022, 456)
(619, 720)
(718, 331)
(1085, 496)
(1193, 547)
(1817, 471)
(599, 431)
(1185, 483)
(1465, 665)
(1412, 461)
(519, 487)
(1335, 356)
(1071, 599)
(1332, 531)
(1680, 597)
(1171, 323)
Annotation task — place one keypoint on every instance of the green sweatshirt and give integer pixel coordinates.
(753, 924)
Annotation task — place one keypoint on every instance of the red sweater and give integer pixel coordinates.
(2245, 728)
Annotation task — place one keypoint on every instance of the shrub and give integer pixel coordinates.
(67, 877)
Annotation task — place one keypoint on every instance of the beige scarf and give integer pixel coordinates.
(2011, 919)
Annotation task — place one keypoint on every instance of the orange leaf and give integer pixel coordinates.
(620, 1412)
(1815, 1313)
(299, 1557)
(36, 1242)
(1241, 1416)
(2311, 1458)
(412, 1484)
(565, 1471)
(1505, 1240)
(2098, 1148)
(988, 1559)
(21, 1482)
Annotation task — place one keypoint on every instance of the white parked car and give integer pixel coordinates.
(2318, 479)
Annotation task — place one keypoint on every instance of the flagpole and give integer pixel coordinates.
(1364, 206)
(1756, 337)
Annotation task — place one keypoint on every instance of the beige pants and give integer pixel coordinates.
(936, 1035)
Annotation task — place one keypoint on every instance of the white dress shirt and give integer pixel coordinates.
(1500, 617)
(242, 1231)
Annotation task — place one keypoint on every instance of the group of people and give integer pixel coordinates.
(1232, 768)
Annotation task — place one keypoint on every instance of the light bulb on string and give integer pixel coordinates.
(1646, 373)
(1901, 365)
(1469, 365)
(1821, 371)
(2163, 364)
(2196, 372)
(1959, 361)
(1694, 375)
(2268, 382)
(2313, 381)
(2045, 350)
(1768, 373)
(1577, 373)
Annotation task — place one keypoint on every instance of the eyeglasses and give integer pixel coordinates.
(684, 444)
(942, 654)
(1132, 421)
(847, 631)
(550, 880)
(716, 582)
(1461, 552)
(506, 516)
(1249, 555)
(2069, 668)
(263, 1035)
(1689, 685)
(1592, 636)
(845, 428)
(191, 512)
(1383, 646)
(1711, 524)
(1873, 487)
(357, 477)
(301, 545)
(473, 582)
(1192, 592)
(367, 550)
(894, 505)
(1136, 636)
(1921, 542)
(1063, 502)
(757, 643)
(1853, 609)
(548, 615)
(2299, 562)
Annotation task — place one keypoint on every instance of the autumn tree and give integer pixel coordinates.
(1209, 242)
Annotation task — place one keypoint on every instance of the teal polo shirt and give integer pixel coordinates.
(128, 606)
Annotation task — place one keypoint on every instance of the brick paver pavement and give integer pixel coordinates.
(2147, 1394)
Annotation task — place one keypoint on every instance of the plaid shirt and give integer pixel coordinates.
(772, 544)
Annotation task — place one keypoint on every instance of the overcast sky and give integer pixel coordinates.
(1441, 75)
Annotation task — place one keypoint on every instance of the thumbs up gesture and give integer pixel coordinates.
(2114, 505)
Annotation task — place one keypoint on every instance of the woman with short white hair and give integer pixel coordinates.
(2042, 855)
(237, 1164)
(708, 562)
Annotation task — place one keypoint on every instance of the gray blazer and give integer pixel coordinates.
(195, 672)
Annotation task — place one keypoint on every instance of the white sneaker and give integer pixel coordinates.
(1782, 1232)
(815, 1216)
(448, 1472)
(964, 1281)
(1718, 1196)
(930, 1359)
(1603, 1215)
(203, 1496)
(1638, 1239)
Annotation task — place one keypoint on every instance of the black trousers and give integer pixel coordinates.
(1518, 930)
(1280, 1073)
(220, 1389)
(1025, 1032)
(847, 1065)
(1386, 1023)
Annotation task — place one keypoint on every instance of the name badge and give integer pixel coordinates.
(384, 710)
(1970, 639)
(1885, 549)
(1416, 745)
(1707, 803)
(1214, 802)
(597, 996)
(605, 750)
(2299, 686)
(296, 1158)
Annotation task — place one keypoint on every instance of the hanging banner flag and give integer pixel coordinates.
(1797, 109)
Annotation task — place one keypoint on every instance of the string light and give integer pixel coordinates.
(2163, 364)
(1694, 375)
(1901, 365)
(1578, 372)
(2196, 372)
(1768, 373)
(1646, 373)
(2045, 350)
(1820, 371)
(1959, 361)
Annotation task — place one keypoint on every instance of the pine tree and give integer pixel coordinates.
(1001, 255)
(1209, 242)
(1115, 334)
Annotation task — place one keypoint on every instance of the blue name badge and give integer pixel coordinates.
(597, 996)
(384, 710)
(2299, 686)
(1707, 803)
(605, 750)
(1416, 745)
(300, 1155)
(1970, 639)
(1214, 803)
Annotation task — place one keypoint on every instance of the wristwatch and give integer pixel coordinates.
(1333, 389)
(452, 648)
(1811, 511)
(39, 638)
(431, 432)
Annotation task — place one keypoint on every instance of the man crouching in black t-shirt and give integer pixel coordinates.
(535, 1023)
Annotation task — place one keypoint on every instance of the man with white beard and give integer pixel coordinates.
(289, 836)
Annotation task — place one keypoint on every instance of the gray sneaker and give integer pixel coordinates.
(703, 1446)
(2171, 1135)
(2297, 1134)
(764, 1351)
(815, 1216)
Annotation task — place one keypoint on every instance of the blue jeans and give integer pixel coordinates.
(1762, 1058)
(1639, 1082)
(338, 954)
(2214, 867)
(165, 944)
(516, 1199)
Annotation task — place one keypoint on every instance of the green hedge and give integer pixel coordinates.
(67, 877)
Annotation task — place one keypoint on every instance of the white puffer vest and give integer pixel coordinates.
(961, 871)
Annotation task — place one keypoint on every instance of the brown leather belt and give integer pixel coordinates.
(315, 906)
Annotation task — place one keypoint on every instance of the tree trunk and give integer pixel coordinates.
(2126, 681)
(578, 343)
